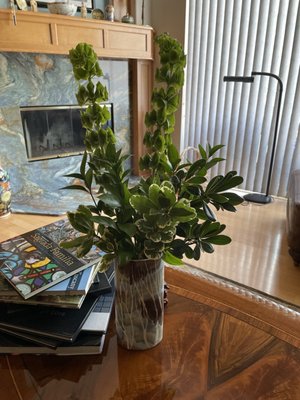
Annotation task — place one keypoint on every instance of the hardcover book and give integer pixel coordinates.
(76, 285)
(34, 261)
(57, 323)
(100, 284)
(86, 343)
(51, 301)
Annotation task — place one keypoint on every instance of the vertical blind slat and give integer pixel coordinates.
(220, 129)
(288, 72)
(189, 72)
(235, 38)
(241, 139)
(262, 63)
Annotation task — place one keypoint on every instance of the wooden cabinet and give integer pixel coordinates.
(57, 34)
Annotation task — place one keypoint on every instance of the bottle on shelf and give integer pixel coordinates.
(5, 193)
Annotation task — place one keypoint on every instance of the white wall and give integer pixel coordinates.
(164, 16)
(169, 16)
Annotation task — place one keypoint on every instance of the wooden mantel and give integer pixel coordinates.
(57, 34)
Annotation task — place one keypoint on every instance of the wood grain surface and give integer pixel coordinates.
(205, 354)
(222, 340)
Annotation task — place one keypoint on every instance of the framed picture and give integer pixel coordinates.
(89, 3)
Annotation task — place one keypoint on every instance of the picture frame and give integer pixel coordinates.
(89, 3)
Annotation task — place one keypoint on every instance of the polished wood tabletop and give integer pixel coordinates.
(210, 350)
(222, 340)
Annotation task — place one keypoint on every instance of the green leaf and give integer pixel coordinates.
(214, 149)
(171, 259)
(83, 163)
(173, 155)
(235, 181)
(202, 152)
(208, 227)
(168, 194)
(74, 175)
(219, 198)
(106, 261)
(196, 166)
(154, 194)
(207, 247)
(220, 240)
(75, 187)
(196, 180)
(110, 199)
(82, 209)
(129, 229)
(182, 212)
(213, 162)
(70, 244)
(213, 183)
(80, 222)
(234, 198)
(228, 207)
(140, 203)
(208, 212)
(125, 256)
(88, 178)
(189, 252)
(197, 252)
(105, 221)
(85, 247)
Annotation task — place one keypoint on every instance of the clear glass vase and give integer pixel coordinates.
(139, 303)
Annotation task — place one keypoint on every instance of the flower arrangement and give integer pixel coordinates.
(168, 213)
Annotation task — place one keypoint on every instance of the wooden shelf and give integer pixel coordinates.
(57, 34)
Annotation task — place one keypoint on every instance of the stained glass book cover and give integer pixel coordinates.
(34, 261)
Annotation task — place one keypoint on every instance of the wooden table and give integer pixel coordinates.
(214, 347)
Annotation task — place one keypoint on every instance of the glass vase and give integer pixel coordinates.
(5, 193)
(139, 303)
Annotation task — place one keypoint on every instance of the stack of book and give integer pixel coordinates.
(51, 301)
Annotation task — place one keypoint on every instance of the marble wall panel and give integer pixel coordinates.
(38, 79)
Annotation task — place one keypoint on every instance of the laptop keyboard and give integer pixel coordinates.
(99, 317)
(104, 303)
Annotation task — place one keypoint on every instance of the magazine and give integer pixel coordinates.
(34, 261)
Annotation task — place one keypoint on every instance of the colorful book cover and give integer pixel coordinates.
(34, 261)
(77, 285)
(100, 284)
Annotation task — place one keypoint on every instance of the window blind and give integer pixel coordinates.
(236, 37)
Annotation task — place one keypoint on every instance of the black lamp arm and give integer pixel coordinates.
(246, 79)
